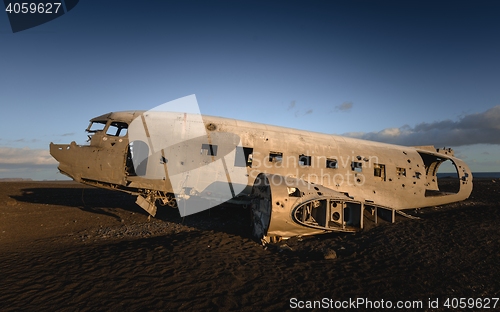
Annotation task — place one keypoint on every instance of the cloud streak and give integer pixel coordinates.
(344, 107)
(297, 111)
(480, 128)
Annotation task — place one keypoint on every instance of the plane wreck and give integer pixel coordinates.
(306, 184)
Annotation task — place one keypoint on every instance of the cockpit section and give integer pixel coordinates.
(105, 158)
(105, 127)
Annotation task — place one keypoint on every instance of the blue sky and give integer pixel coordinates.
(419, 72)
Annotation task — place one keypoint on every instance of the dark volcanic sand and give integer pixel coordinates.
(64, 246)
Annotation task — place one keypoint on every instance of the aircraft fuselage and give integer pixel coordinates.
(161, 161)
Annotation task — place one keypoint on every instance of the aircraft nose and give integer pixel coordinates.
(64, 154)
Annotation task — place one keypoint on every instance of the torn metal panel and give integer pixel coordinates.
(283, 207)
(146, 204)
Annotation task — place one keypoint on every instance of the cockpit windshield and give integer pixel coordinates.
(117, 128)
(96, 126)
(107, 128)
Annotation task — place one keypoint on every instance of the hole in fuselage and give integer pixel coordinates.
(447, 178)
(442, 175)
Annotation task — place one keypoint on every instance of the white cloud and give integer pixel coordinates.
(391, 132)
(480, 128)
(25, 156)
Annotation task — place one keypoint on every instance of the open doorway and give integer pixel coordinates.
(442, 175)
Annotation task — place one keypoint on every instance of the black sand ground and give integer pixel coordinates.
(64, 246)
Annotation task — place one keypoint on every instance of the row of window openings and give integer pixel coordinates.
(244, 156)
(244, 159)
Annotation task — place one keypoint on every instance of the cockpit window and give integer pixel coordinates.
(96, 126)
(117, 129)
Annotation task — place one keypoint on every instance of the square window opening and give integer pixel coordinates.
(304, 160)
(357, 166)
(243, 157)
(379, 171)
(275, 156)
(209, 149)
(332, 163)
